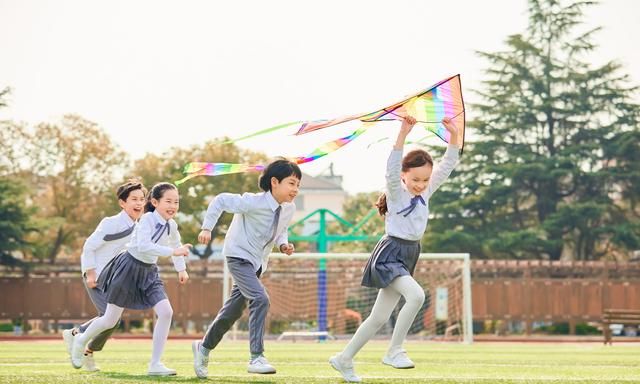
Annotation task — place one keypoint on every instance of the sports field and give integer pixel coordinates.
(124, 361)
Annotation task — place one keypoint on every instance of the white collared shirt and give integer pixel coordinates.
(252, 225)
(413, 226)
(145, 249)
(97, 252)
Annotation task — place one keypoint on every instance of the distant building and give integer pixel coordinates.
(319, 192)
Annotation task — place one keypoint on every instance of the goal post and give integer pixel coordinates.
(319, 295)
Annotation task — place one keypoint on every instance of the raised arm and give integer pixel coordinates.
(394, 163)
(224, 202)
(448, 162)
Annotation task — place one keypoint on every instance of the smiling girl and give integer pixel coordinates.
(131, 280)
(410, 183)
(259, 222)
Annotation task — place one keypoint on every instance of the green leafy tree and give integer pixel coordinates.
(75, 165)
(554, 171)
(15, 221)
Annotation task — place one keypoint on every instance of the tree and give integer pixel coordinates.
(3, 94)
(75, 164)
(15, 222)
(554, 170)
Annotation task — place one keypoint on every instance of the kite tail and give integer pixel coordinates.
(216, 169)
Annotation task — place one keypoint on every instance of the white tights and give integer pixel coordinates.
(111, 316)
(386, 302)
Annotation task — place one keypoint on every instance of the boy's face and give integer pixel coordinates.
(134, 205)
(416, 179)
(286, 190)
(167, 206)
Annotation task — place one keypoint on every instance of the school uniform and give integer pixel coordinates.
(102, 246)
(131, 280)
(397, 252)
(258, 224)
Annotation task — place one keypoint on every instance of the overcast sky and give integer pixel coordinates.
(156, 74)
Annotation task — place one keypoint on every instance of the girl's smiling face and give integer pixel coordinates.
(134, 205)
(417, 178)
(167, 206)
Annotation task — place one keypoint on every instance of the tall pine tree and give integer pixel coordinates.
(554, 172)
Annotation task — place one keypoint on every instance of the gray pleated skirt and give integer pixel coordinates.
(129, 283)
(392, 257)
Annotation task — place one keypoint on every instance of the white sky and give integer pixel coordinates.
(156, 74)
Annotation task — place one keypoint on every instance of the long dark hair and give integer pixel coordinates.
(156, 193)
(413, 159)
(280, 169)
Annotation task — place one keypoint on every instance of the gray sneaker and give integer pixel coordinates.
(200, 360)
(260, 365)
(345, 368)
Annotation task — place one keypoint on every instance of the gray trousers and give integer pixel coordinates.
(99, 300)
(247, 287)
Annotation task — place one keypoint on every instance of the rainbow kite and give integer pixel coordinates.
(428, 107)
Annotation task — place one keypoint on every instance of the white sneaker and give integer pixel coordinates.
(159, 369)
(200, 361)
(345, 368)
(400, 360)
(77, 352)
(67, 337)
(89, 363)
(260, 365)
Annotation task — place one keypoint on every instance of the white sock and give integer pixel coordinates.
(414, 298)
(161, 330)
(385, 303)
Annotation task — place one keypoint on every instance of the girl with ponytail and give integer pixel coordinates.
(411, 180)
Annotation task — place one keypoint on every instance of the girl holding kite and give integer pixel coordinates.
(410, 182)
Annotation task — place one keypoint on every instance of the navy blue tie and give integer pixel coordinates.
(159, 231)
(119, 235)
(412, 205)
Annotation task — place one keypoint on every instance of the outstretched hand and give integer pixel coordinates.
(204, 237)
(182, 251)
(287, 248)
(407, 125)
(453, 130)
(183, 276)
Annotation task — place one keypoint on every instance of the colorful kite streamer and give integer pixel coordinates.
(216, 169)
(428, 107)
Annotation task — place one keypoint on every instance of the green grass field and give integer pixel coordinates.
(124, 361)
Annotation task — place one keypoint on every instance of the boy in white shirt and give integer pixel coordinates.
(105, 243)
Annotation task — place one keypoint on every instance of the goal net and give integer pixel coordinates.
(319, 295)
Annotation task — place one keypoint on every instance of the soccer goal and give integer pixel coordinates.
(318, 295)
